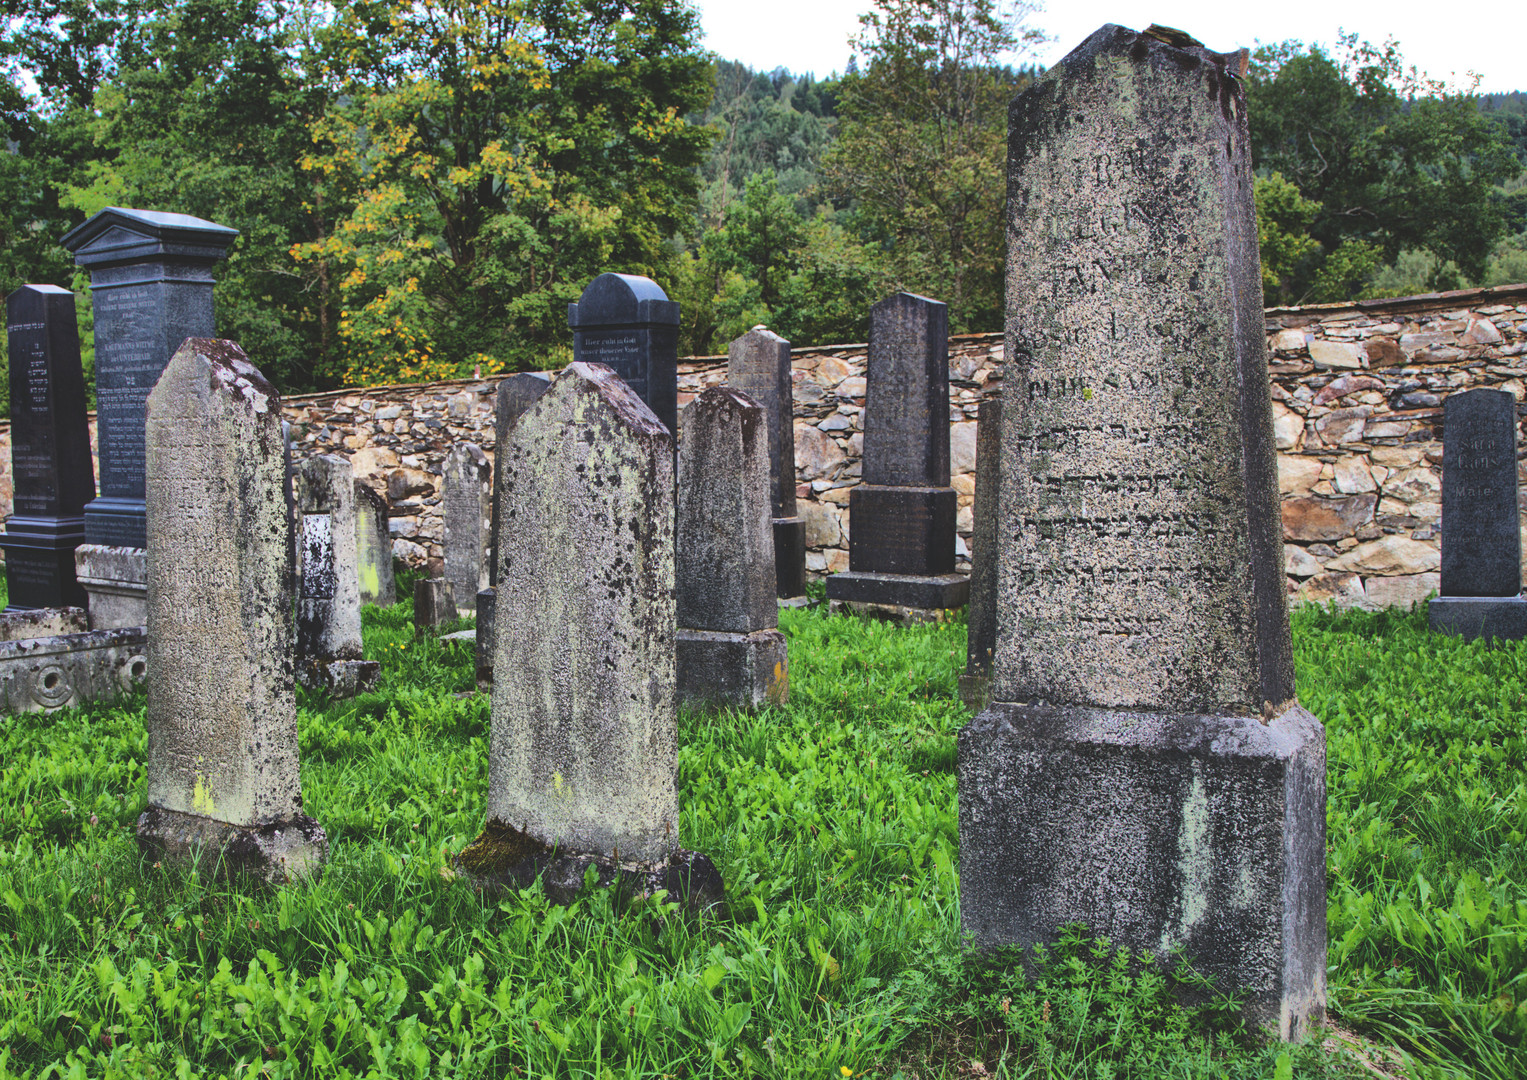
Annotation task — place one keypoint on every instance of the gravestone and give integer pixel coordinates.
(150, 289)
(581, 769)
(1145, 768)
(730, 650)
(328, 598)
(758, 364)
(222, 714)
(467, 502)
(51, 469)
(515, 394)
(902, 514)
(434, 603)
(627, 323)
(981, 635)
(373, 548)
(1481, 593)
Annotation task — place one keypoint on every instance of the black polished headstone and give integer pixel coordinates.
(151, 288)
(1481, 530)
(627, 322)
(50, 450)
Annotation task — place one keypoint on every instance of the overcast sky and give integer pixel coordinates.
(1442, 39)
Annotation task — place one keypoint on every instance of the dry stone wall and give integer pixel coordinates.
(1357, 401)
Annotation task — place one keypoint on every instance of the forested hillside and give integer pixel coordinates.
(421, 187)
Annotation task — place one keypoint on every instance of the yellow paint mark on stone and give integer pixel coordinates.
(201, 798)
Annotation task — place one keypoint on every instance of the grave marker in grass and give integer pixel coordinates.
(328, 601)
(373, 548)
(467, 502)
(1144, 768)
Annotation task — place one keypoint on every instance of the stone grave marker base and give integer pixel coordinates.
(17, 625)
(40, 674)
(116, 579)
(504, 858)
(1158, 831)
(905, 597)
(340, 678)
(790, 558)
(743, 671)
(272, 854)
(1503, 617)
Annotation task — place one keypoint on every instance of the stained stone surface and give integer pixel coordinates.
(116, 580)
(42, 622)
(582, 751)
(151, 288)
(434, 603)
(627, 322)
(50, 450)
(1144, 767)
(1481, 530)
(328, 598)
(981, 637)
(468, 505)
(373, 548)
(222, 716)
(758, 364)
(729, 650)
(70, 666)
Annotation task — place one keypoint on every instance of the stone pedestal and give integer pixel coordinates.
(740, 670)
(116, 581)
(1470, 617)
(1205, 833)
(70, 666)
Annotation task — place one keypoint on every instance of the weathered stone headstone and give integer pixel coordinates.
(1481, 525)
(901, 516)
(627, 323)
(582, 750)
(373, 548)
(328, 598)
(758, 364)
(434, 603)
(514, 395)
(730, 650)
(50, 450)
(150, 289)
(981, 635)
(1145, 768)
(222, 715)
(467, 502)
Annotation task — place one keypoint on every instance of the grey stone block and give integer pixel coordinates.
(1471, 617)
(116, 583)
(743, 671)
(41, 674)
(934, 593)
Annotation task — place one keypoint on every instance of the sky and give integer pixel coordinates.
(1446, 42)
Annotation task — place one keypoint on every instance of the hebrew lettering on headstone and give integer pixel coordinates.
(222, 714)
(1144, 767)
(981, 636)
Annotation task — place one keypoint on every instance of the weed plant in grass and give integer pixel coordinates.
(833, 821)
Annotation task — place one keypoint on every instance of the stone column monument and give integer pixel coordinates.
(981, 637)
(1144, 768)
(1481, 525)
(758, 364)
(150, 289)
(222, 715)
(328, 599)
(467, 502)
(50, 450)
(627, 322)
(582, 751)
(901, 517)
(730, 650)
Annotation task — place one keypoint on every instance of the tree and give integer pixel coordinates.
(921, 145)
(1394, 161)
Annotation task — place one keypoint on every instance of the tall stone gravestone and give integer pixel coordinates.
(730, 650)
(150, 289)
(981, 636)
(222, 715)
(1144, 768)
(51, 468)
(758, 364)
(328, 598)
(582, 749)
(1481, 525)
(373, 548)
(467, 502)
(514, 394)
(901, 516)
(627, 323)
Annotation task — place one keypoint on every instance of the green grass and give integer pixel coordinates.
(834, 822)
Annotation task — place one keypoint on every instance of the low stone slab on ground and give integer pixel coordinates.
(40, 674)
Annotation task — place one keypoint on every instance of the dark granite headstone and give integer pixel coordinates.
(627, 323)
(902, 516)
(1481, 525)
(758, 364)
(981, 637)
(150, 288)
(1144, 768)
(50, 450)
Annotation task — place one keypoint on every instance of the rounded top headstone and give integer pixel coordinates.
(622, 300)
(118, 235)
